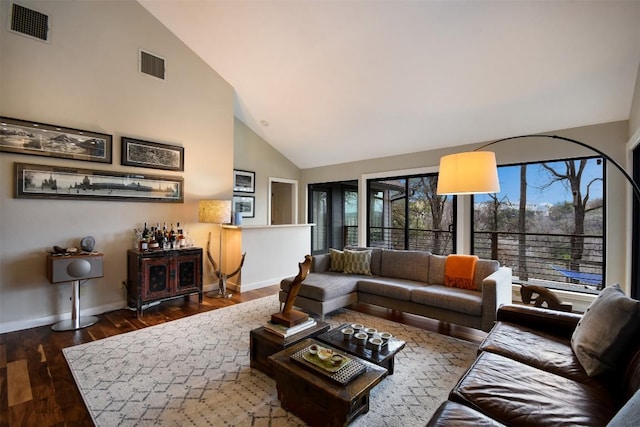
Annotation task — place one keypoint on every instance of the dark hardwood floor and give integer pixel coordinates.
(36, 385)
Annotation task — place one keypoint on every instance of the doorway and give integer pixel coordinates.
(283, 201)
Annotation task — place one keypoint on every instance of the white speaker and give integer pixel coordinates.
(74, 267)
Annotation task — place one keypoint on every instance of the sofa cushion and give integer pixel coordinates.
(337, 260)
(409, 265)
(357, 262)
(436, 269)
(453, 414)
(454, 299)
(604, 331)
(484, 268)
(324, 286)
(525, 345)
(517, 394)
(391, 288)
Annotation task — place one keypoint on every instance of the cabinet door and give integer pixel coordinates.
(188, 273)
(156, 278)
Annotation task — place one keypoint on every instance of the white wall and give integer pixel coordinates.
(254, 154)
(87, 78)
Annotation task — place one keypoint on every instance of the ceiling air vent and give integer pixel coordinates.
(29, 22)
(152, 65)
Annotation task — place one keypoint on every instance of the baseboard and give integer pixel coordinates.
(579, 300)
(50, 320)
(257, 285)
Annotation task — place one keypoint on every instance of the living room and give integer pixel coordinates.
(86, 77)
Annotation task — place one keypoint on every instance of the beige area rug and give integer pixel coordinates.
(195, 372)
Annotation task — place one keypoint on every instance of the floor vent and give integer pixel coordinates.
(29, 22)
(152, 65)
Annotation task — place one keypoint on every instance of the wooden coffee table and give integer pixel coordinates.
(263, 344)
(317, 399)
(384, 357)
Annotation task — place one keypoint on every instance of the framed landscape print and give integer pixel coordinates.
(40, 139)
(53, 182)
(145, 154)
(244, 181)
(245, 205)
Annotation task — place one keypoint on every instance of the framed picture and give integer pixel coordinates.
(53, 182)
(40, 139)
(245, 205)
(145, 154)
(244, 181)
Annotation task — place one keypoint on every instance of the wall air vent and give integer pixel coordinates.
(152, 65)
(29, 22)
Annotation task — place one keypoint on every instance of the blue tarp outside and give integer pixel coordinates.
(588, 278)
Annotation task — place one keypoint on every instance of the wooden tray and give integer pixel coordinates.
(343, 374)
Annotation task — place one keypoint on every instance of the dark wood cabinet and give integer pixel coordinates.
(159, 275)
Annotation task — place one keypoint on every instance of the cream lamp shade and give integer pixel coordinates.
(214, 211)
(473, 172)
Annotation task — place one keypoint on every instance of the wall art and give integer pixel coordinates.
(54, 182)
(244, 181)
(245, 205)
(146, 154)
(40, 139)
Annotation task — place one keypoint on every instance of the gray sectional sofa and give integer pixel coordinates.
(408, 281)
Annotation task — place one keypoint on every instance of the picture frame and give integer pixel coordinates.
(153, 155)
(244, 181)
(245, 205)
(34, 181)
(41, 139)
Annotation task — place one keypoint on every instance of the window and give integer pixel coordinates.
(333, 208)
(406, 213)
(547, 223)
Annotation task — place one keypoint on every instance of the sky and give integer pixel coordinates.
(509, 177)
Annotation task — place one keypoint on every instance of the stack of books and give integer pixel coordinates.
(285, 332)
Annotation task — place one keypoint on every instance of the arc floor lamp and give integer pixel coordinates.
(476, 172)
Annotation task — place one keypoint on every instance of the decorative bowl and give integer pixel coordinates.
(361, 338)
(385, 336)
(324, 353)
(375, 343)
(337, 359)
(347, 333)
(313, 349)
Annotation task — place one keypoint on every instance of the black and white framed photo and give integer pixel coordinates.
(40, 139)
(54, 182)
(244, 181)
(245, 205)
(154, 155)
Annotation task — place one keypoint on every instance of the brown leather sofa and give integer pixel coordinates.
(526, 374)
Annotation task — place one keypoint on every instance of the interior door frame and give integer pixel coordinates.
(294, 198)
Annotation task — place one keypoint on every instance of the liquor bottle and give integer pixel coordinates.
(153, 243)
(182, 242)
(172, 237)
(143, 243)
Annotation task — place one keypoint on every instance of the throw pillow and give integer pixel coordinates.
(604, 331)
(337, 260)
(357, 262)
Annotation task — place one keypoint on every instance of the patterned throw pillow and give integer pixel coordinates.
(337, 260)
(357, 262)
(605, 330)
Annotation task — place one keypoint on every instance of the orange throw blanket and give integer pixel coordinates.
(459, 271)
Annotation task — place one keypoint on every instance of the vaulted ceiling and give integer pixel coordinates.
(334, 81)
